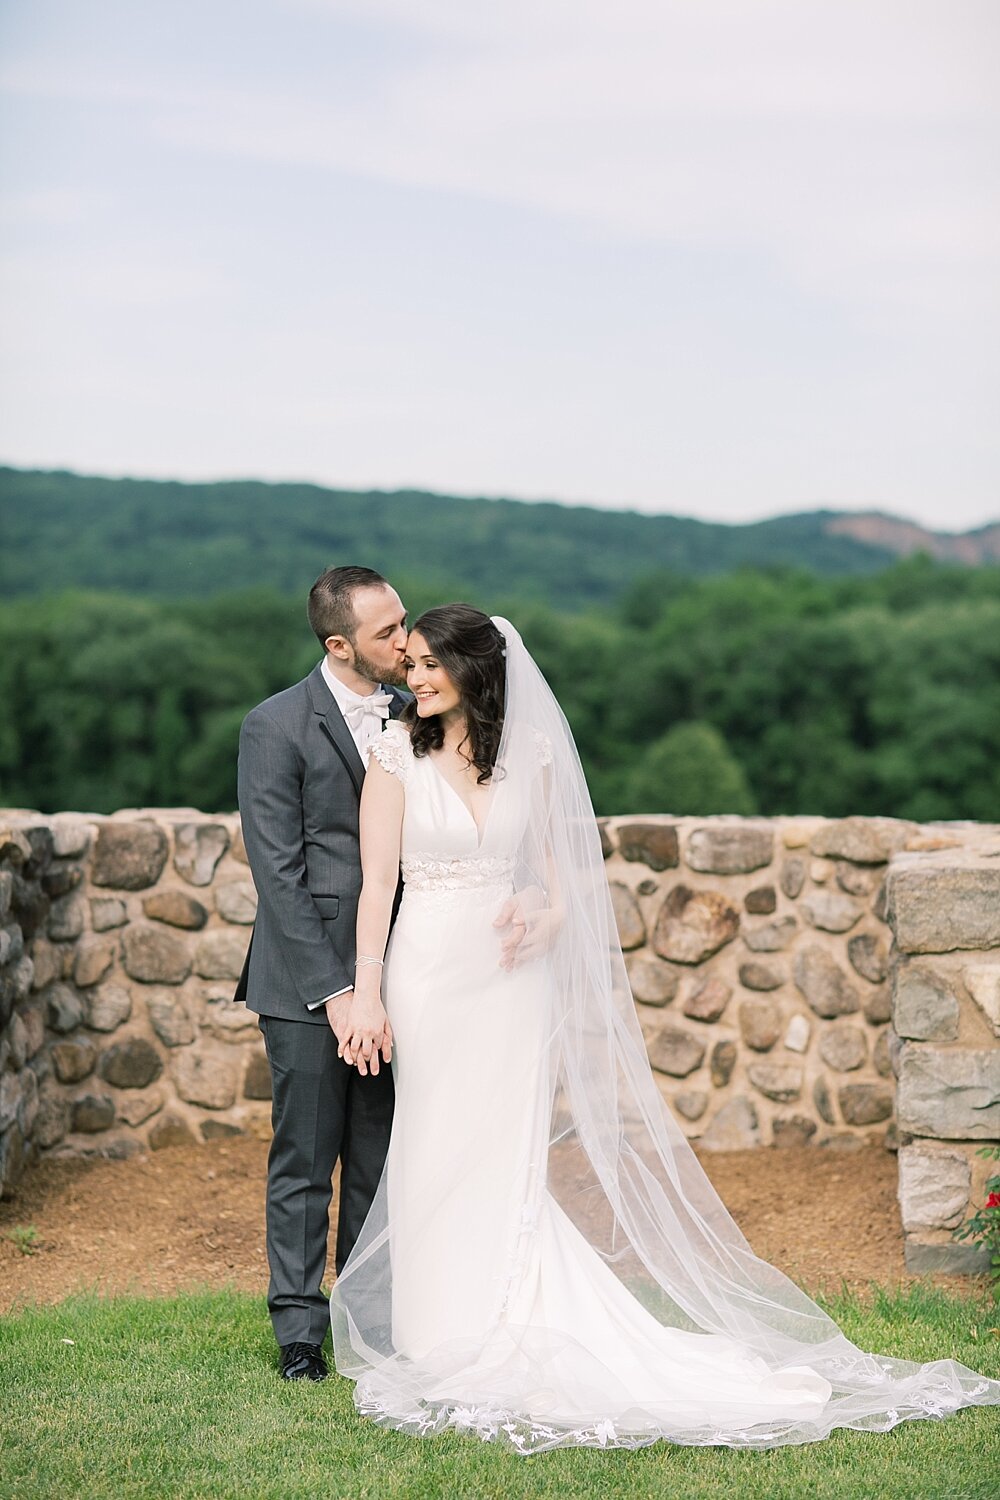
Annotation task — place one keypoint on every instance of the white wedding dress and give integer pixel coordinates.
(537, 1269)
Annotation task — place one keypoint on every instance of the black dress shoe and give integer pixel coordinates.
(303, 1362)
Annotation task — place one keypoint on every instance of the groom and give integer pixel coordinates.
(301, 767)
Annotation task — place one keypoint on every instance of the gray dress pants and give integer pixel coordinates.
(321, 1111)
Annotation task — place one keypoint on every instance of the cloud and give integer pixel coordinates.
(851, 146)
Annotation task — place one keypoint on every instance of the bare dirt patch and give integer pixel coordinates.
(194, 1216)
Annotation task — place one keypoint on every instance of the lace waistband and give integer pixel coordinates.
(424, 873)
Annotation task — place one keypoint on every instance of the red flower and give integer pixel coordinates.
(993, 1201)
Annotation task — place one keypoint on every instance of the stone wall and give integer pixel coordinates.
(767, 959)
(120, 942)
(944, 909)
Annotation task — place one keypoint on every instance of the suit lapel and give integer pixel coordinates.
(333, 724)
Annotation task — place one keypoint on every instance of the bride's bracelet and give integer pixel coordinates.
(365, 958)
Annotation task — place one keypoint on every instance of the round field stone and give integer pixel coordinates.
(691, 1103)
(236, 901)
(795, 1130)
(761, 901)
(108, 1007)
(823, 984)
(257, 1079)
(170, 1130)
(128, 856)
(136, 1109)
(66, 920)
(652, 844)
(779, 1081)
(198, 847)
(64, 1008)
(869, 956)
(132, 1064)
(94, 957)
(674, 1051)
(856, 880)
(53, 1119)
(771, 937)
(92, 1113)
(865, 1103)
(61, 880)
(735, 1128)
(723, 1062)
(881, 1055)
(758, 976)
(176, 909)
(708, 998)
(823, 1101)
(797, 1035)
(691, 925)
(864, 841)
(730, 848)
(878, 1005)
(843, 1048)
(74, 1060)
(220, 954)
(107, 912)
(170, 1016)
(831, 911)
(652, 982)
(208, 1080)
(760, 1023)
(220, 1130)
(155, 956)
(628, 917)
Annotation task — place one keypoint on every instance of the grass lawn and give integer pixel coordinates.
(180, 1398)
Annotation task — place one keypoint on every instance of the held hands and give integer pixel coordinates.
(363, 1032)
(530, 927)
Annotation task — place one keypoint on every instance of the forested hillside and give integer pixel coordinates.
(774, 692)
(168, 541)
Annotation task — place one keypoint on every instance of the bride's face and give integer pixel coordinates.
(427, 680)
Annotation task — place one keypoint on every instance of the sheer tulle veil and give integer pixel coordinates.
(616, 1163)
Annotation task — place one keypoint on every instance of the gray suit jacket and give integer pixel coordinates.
(300, 778)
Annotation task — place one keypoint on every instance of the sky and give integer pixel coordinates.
(718, 258)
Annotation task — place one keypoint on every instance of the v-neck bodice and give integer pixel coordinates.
(442, 846)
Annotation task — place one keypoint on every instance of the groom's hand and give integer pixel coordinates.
(338, 1013)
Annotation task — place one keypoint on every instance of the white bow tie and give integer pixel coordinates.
(375, 703)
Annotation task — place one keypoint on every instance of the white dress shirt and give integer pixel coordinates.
(368, 729)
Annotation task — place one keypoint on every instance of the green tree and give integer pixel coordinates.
(690, 769)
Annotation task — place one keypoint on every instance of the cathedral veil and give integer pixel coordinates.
(601, 1145)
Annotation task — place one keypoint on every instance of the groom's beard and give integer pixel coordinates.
(388, 676)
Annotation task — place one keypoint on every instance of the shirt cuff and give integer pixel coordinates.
(317, 1003)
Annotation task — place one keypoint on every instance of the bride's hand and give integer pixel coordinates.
(368, 1034)
(532, 926)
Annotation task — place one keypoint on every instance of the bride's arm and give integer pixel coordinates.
(381, 823)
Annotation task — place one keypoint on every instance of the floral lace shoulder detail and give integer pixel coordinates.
(393, 750)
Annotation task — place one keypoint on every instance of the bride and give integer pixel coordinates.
(545, 1263)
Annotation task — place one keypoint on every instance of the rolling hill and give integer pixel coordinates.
(167, 539)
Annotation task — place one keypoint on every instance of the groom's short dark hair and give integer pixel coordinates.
(331, 601)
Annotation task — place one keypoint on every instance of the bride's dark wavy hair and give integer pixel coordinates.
(471, 649)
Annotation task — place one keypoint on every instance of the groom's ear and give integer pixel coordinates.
(338, 646)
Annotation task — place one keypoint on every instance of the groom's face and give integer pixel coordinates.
(380, 636)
